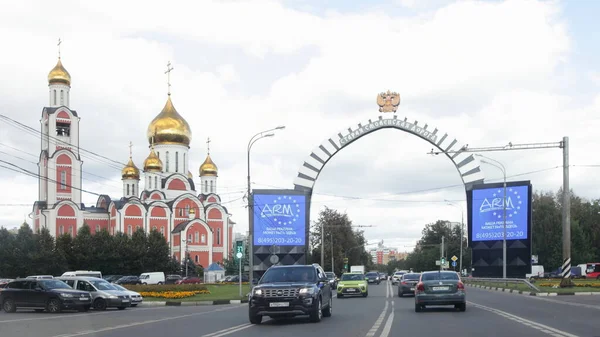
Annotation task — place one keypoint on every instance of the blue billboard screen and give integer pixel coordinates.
(488, 213)
(279, 219)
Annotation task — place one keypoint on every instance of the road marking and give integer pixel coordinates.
(73, 315)
(378, 322)
(228, 331)
(538, 326)
(123, 326)
(388, 323)
(575, 304)
(390, 290)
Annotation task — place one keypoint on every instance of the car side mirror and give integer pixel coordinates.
(254, 281)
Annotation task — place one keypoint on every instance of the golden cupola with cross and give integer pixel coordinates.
(208, 173)
(130, 176)
(152, 162)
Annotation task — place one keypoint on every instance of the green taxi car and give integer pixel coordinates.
(352, 284)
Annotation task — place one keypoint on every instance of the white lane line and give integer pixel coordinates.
(388, 323)
(123, 326)
(74, 315)
(378, 322)
(575, 304)
(228, 331)
(535, 325)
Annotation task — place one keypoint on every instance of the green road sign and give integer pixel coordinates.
(454, 258)
(239, 249)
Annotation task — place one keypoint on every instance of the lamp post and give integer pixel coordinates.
(501, 167)
(185, 256)
(462, 226)
(256, 137)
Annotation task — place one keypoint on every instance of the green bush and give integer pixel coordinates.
(165, 287)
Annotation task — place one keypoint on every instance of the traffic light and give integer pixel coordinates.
(239, 249)
(443, 260)
(346, 263)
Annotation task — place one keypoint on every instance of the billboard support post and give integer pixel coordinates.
(566, 219)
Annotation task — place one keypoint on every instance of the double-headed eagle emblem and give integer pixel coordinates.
(388, 101)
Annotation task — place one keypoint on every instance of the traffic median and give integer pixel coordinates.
(192, 294)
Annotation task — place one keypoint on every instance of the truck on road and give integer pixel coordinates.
(357, 269)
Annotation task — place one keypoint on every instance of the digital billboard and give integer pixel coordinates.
(488, 209)
(279, 219)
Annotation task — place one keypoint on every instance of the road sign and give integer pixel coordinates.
(239, 249)
(239, 255)
(453, 263)
(454, 258)
(443, 260)
(345, 260)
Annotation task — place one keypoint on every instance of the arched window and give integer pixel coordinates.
(155, 183)
(177, 162)
(167, 156)
(162, 230)
(203, 239)
(132, 189)
(61, 230)
(97, 228)
(184, 166)
(63, 180)
(129, 230)
(212, 188)
(127, 189)
(62, 97)
(154, 228)
(196, 258)
(190, 238)
(196, 237)
(218, 236)
(54, 96)
(206, 186)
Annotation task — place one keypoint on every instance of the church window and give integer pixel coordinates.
(167, 156)
(190, 238)
(196, 258)
(62, 97)
(129, 229)
(205, 186)
(203, 239)
(212, 188)
(218, 236)
(127, 189)
(154, 228)
(61, 230)
(63, 180)
(132, 189)
(63, 129)
(162, 230)
(54, 96)
(97, 228)
(187, 210)
(67, 98)
(196, 237)
(155, 183)
(184, 167)
(177, 162)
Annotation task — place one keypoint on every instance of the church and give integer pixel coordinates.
(190, 217)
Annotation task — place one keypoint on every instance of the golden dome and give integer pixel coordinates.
(153, 163)
(208, 168)
(59, 74)
(130, 171)
(169, 127)
(190, 175)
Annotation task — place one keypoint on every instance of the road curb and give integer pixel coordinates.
(189, 304)
(529, 293)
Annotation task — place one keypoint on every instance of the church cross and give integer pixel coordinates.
(130, 146)
(208, 145)
(168, 72)
(58, 45)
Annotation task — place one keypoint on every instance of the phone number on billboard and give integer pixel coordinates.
(274, 241)
(518, 234)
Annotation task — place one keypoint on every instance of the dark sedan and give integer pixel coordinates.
(440, 288)
(407, 284)
(372, 277)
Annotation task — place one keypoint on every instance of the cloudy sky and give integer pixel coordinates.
(485, 72)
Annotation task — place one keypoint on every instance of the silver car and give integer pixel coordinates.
(136, 298)
(104, 294)
(408, 283)
(440, 288)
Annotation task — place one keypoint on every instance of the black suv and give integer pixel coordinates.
(288, 291)
(50, 295)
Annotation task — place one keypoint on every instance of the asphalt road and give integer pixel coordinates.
(382, 314)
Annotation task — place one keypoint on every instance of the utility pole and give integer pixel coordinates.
(566, 196)
(323, 241)
(442, 260)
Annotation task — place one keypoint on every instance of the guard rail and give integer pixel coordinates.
(501, 280)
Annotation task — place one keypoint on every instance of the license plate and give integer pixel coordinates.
(83, 299)
(279, 304)
(351, 290)
(440, 288)
(412, 289)
(125, 300)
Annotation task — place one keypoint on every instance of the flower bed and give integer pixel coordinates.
(577, 284)
(228, 283)
(173, 294)
(160, 288)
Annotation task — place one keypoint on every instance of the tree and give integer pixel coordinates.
(157, 255)
(82, 249)
(8, 266)
(24, 249)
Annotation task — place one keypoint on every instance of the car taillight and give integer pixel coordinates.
(403, 282)
(420, 286)
(461, 286)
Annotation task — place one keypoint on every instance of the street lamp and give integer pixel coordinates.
(256, 137)
(501, 167)
(462, 226)
(186, 256)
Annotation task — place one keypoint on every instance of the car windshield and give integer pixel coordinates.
(411, 276)
(118, 287)
(399, 273)
(353, 277)
(330, 275)
(436, 276)
(289, 274)
(54, 284)
(103, 285)
(372, 274)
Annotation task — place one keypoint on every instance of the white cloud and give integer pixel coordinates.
(460, 68)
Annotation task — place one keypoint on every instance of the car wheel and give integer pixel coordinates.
(121, 308)
(53, 305)
(340, 295)
(84, 309)
(462, 307)
(9, 305)
(317, 314)
(100, 304)
(418, 307)
(254, 319)
(400, 294)
(329, 310)
(366, 294)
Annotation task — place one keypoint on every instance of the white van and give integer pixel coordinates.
(82, 273)
(153, 278)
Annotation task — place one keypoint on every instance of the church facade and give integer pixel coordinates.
(190, 217)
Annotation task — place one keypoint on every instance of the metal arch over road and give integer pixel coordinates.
(466, 163)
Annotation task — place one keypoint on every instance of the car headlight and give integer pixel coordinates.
(113, 296)
(340, 284)
(66, 295)
(307, 291)
(258, 292)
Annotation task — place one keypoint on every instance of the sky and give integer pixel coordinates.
(485, 72)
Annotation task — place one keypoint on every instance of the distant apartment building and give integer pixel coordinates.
(384, 255)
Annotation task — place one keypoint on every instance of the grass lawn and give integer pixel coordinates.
(543, 289)
(217, 292)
